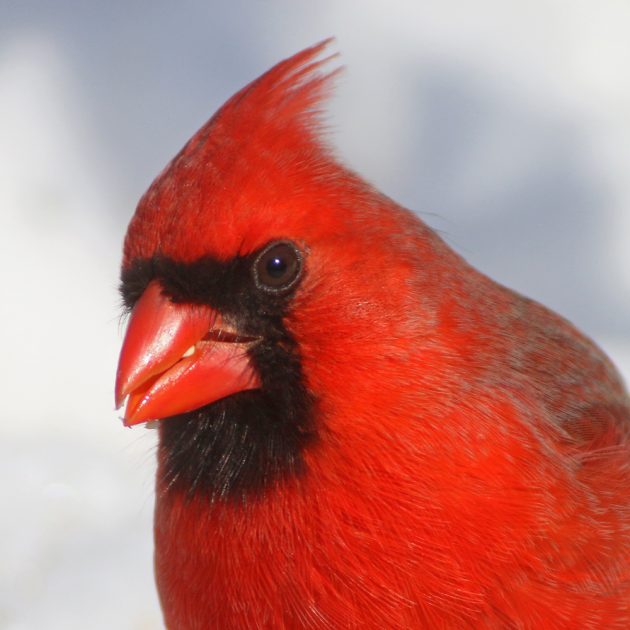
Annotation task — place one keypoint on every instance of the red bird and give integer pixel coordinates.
(357, 429)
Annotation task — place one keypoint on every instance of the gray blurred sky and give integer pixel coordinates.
(506, 125)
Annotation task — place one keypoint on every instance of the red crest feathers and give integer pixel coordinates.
(253, 151)
(286, 95)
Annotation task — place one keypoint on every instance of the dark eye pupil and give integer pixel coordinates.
(276, 267)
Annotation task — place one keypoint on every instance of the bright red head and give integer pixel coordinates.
(258, 173)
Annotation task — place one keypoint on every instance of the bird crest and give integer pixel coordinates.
(256, 149)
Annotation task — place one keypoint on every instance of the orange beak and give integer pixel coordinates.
(178, 357)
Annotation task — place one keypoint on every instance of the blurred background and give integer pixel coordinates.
(506, 125)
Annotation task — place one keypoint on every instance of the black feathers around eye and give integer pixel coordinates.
(278, 267)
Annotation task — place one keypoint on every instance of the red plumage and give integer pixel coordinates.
(472, 465)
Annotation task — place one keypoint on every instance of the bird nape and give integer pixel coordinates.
(356, 428)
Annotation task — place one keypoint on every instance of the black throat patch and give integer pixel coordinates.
(240, 446)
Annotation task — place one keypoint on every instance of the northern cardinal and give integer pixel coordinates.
(357, 429)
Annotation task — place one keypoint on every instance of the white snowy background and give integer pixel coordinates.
(507, 124)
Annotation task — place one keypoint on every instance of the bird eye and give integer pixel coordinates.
(277, 268)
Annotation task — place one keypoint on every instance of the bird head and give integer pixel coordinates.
(265, 281)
